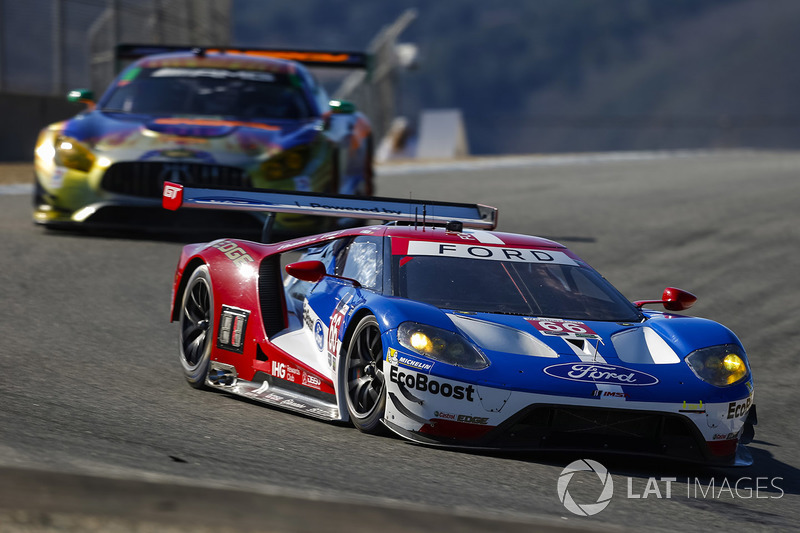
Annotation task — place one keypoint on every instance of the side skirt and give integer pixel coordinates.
(270, 391)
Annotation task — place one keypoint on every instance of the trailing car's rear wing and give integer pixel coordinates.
(330, 205)
(125, 53)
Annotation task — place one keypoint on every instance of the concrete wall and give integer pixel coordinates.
(21, 118)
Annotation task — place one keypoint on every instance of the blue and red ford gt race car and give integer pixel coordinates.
(448, 333)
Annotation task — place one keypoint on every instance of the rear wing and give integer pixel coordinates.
(476, 216)
(125, 53)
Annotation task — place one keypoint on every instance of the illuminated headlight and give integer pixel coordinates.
(71, 153)
(440, 345)
(719, 365)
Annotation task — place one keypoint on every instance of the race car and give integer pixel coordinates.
(203, 117)
(447, 333)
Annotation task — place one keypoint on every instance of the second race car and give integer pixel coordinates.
(202, 117)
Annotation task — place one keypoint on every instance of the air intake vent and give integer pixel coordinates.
(146, 178)
(270, 295)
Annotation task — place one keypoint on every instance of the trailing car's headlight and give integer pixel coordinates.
(286, 164)
(71, 153)
(719, 365)
(440, 345)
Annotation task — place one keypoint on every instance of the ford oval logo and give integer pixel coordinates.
(319, 335)
(600, 374)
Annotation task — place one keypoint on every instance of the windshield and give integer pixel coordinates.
(510, 287)
(243, 94)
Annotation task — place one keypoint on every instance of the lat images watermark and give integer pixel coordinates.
(744, 488)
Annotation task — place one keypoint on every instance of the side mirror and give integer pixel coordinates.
(307, 270)
(673, 299)
(342, 107)
(81, 96)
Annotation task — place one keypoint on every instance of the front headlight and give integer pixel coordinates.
(286, 164)
(440, 345)
(719, 365)
(72, 153)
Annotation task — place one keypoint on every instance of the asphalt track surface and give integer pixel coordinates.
(99, 432)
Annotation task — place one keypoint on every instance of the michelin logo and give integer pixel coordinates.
(394, 358)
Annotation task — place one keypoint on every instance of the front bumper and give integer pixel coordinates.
(483, 417)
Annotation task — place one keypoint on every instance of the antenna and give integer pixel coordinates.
(424, 214)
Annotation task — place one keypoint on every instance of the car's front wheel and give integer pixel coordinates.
(365, 382)
(196, 327)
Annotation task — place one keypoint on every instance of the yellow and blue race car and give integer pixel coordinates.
(202, 117)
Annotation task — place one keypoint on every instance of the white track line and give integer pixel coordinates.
(489, 163)
(16, 189)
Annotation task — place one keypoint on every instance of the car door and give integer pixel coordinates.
(332, 300)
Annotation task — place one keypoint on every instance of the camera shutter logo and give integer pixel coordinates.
(586, 509)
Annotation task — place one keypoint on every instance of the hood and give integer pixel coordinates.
(135, 137)
(641, 361)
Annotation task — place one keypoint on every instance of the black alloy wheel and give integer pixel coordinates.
(364, 378)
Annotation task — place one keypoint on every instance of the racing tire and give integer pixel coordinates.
(197, 327)
(38, 193)
(364, 380)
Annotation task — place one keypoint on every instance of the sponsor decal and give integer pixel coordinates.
(312, 381)
(610, 394)
(723, 436)
(232, 325)
(293, 404)
(354, 208)
(480, 420)
(272, 397)
(337, 318)
(423, 383)
(319, 335)
(465, 419)
(284, 371)
(57, 180)
(491, 253)
(737, 409)
(395, 358)
(213, 73)
(234, 252)
(692, 408)
(600, 374)
(172, 196)
(563, 328)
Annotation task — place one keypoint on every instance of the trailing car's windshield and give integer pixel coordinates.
(244, 94)
(510, 287)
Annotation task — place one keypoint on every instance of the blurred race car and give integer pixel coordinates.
(202, 117)
(449, 334)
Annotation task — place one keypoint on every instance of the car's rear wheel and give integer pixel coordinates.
(365, 383)
(196, 327)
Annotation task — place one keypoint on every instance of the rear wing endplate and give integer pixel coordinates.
(125, 53)
(476, 216)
